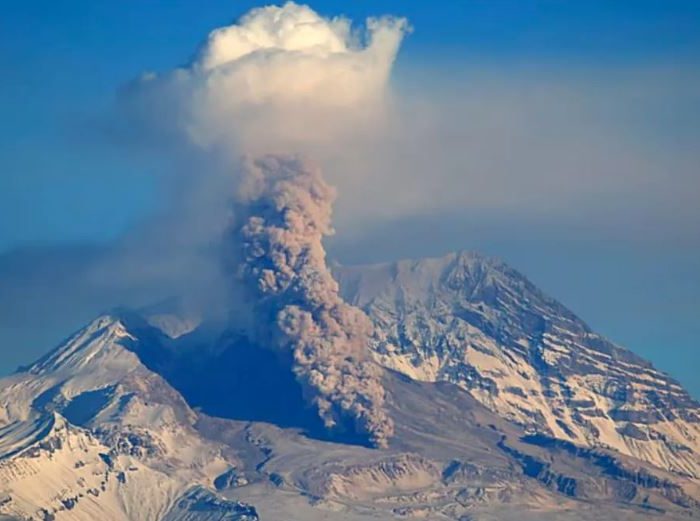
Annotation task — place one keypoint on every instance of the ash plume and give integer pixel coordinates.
(281, 78)
(284, 212)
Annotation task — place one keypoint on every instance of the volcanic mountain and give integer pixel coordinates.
(505, 405)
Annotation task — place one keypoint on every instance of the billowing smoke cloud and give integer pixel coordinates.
(277, 79)
(286, 210)
(277, 83)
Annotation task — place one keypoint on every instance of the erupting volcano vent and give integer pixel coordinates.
(285, 211)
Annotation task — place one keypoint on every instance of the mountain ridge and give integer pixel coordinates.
(148, 414)
(432, 313)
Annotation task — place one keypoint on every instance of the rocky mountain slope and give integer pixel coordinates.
(477, 323)
(88, 432)
(506, 406)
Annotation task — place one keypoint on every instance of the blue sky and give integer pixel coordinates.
(632, 274)
(63, 62)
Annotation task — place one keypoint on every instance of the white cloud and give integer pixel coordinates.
(546, 142)
(278, 77)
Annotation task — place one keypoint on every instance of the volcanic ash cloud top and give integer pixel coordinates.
(286, 210)
(279, 76)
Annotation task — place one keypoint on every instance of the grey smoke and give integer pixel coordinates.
(279, 79)
(284, 212)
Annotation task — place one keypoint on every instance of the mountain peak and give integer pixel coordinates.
(475, 322)
(101, 343)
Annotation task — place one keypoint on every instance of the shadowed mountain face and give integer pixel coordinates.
(506, 406)
(225, 376)
(229, 377)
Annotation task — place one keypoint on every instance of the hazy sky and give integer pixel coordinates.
(560, 136)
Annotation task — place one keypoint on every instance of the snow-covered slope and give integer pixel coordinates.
(475, 322)
(89, 433)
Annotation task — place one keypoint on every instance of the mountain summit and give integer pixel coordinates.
(505, 405)
(473, 321)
